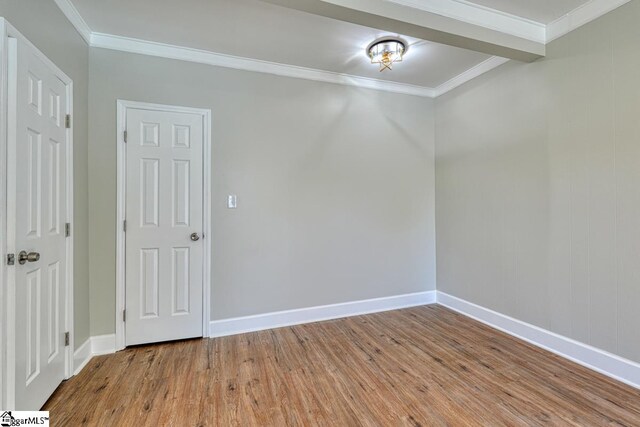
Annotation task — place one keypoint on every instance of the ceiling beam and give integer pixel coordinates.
(392, 16)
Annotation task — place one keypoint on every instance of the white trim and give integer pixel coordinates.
(9, 286)
(207, 221)
(581, 16)
(481, 16)
(72, 14)
(460, 10)
(106, 344)
(121, 160)
(103, 344)
(4, 329)
(82, 356)
(93, 346)
(121, 123)
(163, 50)
(470, 74)
(278, 319)
(606, 363)
(593, 358)
(69, 368)
(497, 20)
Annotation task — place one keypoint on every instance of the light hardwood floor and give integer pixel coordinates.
(423, 366)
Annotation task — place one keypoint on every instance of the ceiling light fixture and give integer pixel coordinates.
(385, 51)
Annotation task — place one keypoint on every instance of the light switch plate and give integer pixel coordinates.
(232, 201)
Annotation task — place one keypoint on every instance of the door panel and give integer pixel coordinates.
(39, 213)
(164, 203)
(180, 283)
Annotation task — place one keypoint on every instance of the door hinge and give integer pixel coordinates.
(66, 339)
(67, 229)
(67, 121)
(124, 225)
(125, 136)
(11, 259)
(124, 315)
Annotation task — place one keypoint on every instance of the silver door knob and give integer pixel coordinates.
(195, 237)
(23, 257)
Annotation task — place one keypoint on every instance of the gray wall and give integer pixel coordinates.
(538, 187)
(335, 185)
(47, 28)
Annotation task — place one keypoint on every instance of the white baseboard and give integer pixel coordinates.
(82, 356)
(93, 346)
(106, 344)
(103, 344)
(259, 322)
(606, 363)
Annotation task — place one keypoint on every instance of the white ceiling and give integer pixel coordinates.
(264, 31)
(542, 11)
(254, 29)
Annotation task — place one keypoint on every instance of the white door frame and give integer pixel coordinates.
(122, 107)
(7, 278)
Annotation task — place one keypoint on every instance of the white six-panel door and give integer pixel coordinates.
(37, 182)
(164, 223)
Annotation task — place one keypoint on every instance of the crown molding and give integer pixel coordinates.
(456, 9)
(127, 44)
(470, 74)
(482, 16)
(72, 14)
(580, 16)
(493, 19)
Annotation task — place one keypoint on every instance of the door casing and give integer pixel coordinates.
(7, 279)
(122, 106)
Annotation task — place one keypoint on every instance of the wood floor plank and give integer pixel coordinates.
(425, 366)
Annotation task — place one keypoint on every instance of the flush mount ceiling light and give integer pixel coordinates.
(385, 51)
